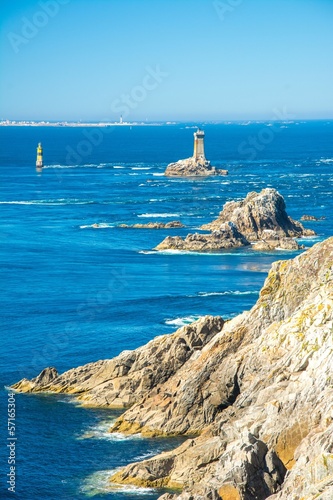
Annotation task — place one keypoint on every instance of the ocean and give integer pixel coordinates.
(72, 293)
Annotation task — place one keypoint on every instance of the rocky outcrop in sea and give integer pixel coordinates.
(192, 167)
(154, 225)
(253, 394)
(260, 219)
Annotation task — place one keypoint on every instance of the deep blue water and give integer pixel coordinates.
(71, 294)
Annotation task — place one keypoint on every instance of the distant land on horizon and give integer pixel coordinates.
(66, 123)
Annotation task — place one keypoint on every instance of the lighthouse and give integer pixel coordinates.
(199, 152)
(39, 161)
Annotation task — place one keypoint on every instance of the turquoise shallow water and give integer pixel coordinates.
(71, 294)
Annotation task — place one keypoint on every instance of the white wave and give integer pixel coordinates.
(148, 252)
(147, 455)
(229, 292)
(326, 160)
(99, 483)
(61, 201)
(158, 175)
(101, 431)
(141, 168)
(159, 215)
(98, 225)
(118, 166)
(186, 320)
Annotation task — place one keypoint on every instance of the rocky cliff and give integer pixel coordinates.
(191, 167)
(260, 218)
(253, 394)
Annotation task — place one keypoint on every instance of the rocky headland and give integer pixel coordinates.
(260, 219)
(253, 394)
(154, 225)
(192, 167)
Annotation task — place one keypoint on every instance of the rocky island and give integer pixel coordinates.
(253, 394)
(260, 219)
(196, 165)
(154, 225)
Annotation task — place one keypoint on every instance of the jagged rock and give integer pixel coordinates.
(154, 225)
(276, 363)
(227, 236)
(191, 167)
(312, 218)
(260, 212)
(260, 218)
(122, 381)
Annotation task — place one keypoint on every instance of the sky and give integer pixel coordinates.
(182, 60)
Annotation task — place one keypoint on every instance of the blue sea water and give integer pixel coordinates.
(72, 293)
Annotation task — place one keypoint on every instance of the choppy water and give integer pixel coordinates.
(72, 293)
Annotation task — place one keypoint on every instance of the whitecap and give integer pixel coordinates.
(61, 201)
(186, 320)
(159, 215)
(117, 166)
(326, 160)
(158, 174)
(229, 292)
(141, 168)
(98, 225)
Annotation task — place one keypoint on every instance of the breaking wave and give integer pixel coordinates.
(186, 320)
(99, 483)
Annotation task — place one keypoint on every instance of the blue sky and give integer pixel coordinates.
(166, 59)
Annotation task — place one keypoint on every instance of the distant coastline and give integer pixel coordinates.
(189, 124)
(26, 123)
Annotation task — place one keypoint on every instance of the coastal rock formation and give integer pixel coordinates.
(227, 236)
(260, 218)
(259, 214)
(191, 167)
(312, 218)
(260, 395)
(123, 380)
(154, 225)
(253, 395)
